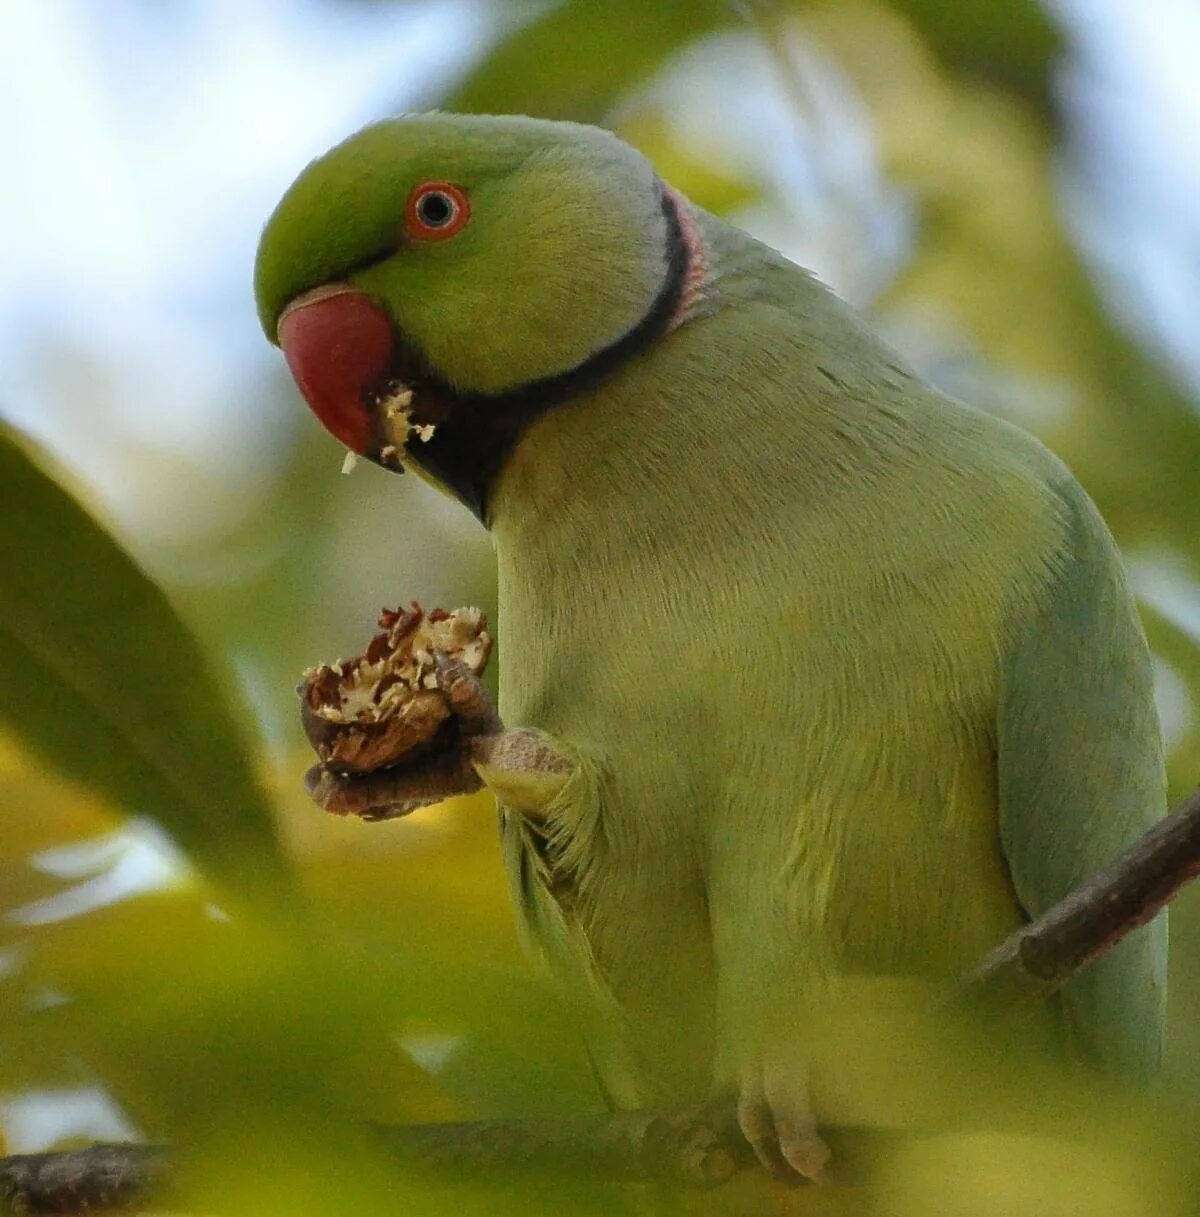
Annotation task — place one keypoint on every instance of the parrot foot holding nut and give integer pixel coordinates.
(388, 794)
(465, 752)
(519, 766)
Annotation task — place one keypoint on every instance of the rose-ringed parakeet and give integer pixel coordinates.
(807, 671)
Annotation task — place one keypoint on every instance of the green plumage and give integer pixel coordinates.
(848, 670)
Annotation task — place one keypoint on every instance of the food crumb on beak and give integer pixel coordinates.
(396, 406)
(398, 403)
(349, 464)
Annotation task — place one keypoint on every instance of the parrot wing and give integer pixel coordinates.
(1080, 775)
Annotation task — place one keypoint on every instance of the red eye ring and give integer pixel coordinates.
(435, 211)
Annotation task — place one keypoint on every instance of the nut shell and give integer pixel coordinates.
(386, 707)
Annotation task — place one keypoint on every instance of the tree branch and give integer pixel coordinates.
(99, 1178)
(697, 1148)
(694, 1148)
(1042, 956)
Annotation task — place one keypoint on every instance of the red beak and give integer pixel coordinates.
(338, 344)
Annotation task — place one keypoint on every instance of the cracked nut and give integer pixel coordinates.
(386, 706)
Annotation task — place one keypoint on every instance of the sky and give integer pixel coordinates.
(1134, 92)
(145, 145)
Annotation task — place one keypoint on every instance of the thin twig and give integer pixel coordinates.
(696, 1148)
(1040, 957)
(693, 1149)
(96, 1179)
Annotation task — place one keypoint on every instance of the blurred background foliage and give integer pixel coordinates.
(1006, 188)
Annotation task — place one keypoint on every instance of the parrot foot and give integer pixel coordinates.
(776, 1118)
(522, 767)
(470, 701)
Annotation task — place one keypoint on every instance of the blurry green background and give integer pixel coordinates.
(1007, 188)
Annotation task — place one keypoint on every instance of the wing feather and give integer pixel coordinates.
(1080, 774)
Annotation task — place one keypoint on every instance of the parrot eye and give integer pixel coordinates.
(436, 210)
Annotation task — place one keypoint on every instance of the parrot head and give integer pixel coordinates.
(437, 281)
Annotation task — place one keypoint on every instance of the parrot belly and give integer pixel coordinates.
(782, 675)
(789, 791)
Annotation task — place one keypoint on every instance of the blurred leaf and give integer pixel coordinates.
(1010, 43)
(99, 675)
(1180, 651)
(237, 1011)
(997, 264)
(701, 177)
(1013, 43)
(429, 892)
(576, 60)
(60, 814)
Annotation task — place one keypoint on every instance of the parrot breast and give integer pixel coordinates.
(339, 347)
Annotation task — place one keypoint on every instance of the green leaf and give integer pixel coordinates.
(576, 60)
(100, 677)
(1011, 43)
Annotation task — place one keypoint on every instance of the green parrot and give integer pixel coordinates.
(808, 671)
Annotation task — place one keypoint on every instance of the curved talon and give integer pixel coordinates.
(776, 1118)
(758, 1127)
(804, 1149)
(468, 698)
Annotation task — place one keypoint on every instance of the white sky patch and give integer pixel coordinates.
(130, 861)
(12, 959)
(429, 1050)
(41, 1117)
(1173, 701)
(153, 142)
(1169, 589)
(1135, 163)
(840, 217)
(144, 147)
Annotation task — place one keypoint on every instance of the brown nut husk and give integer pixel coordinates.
(386, 706)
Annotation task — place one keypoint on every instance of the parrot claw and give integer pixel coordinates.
(776, 1118)
(469, 700)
